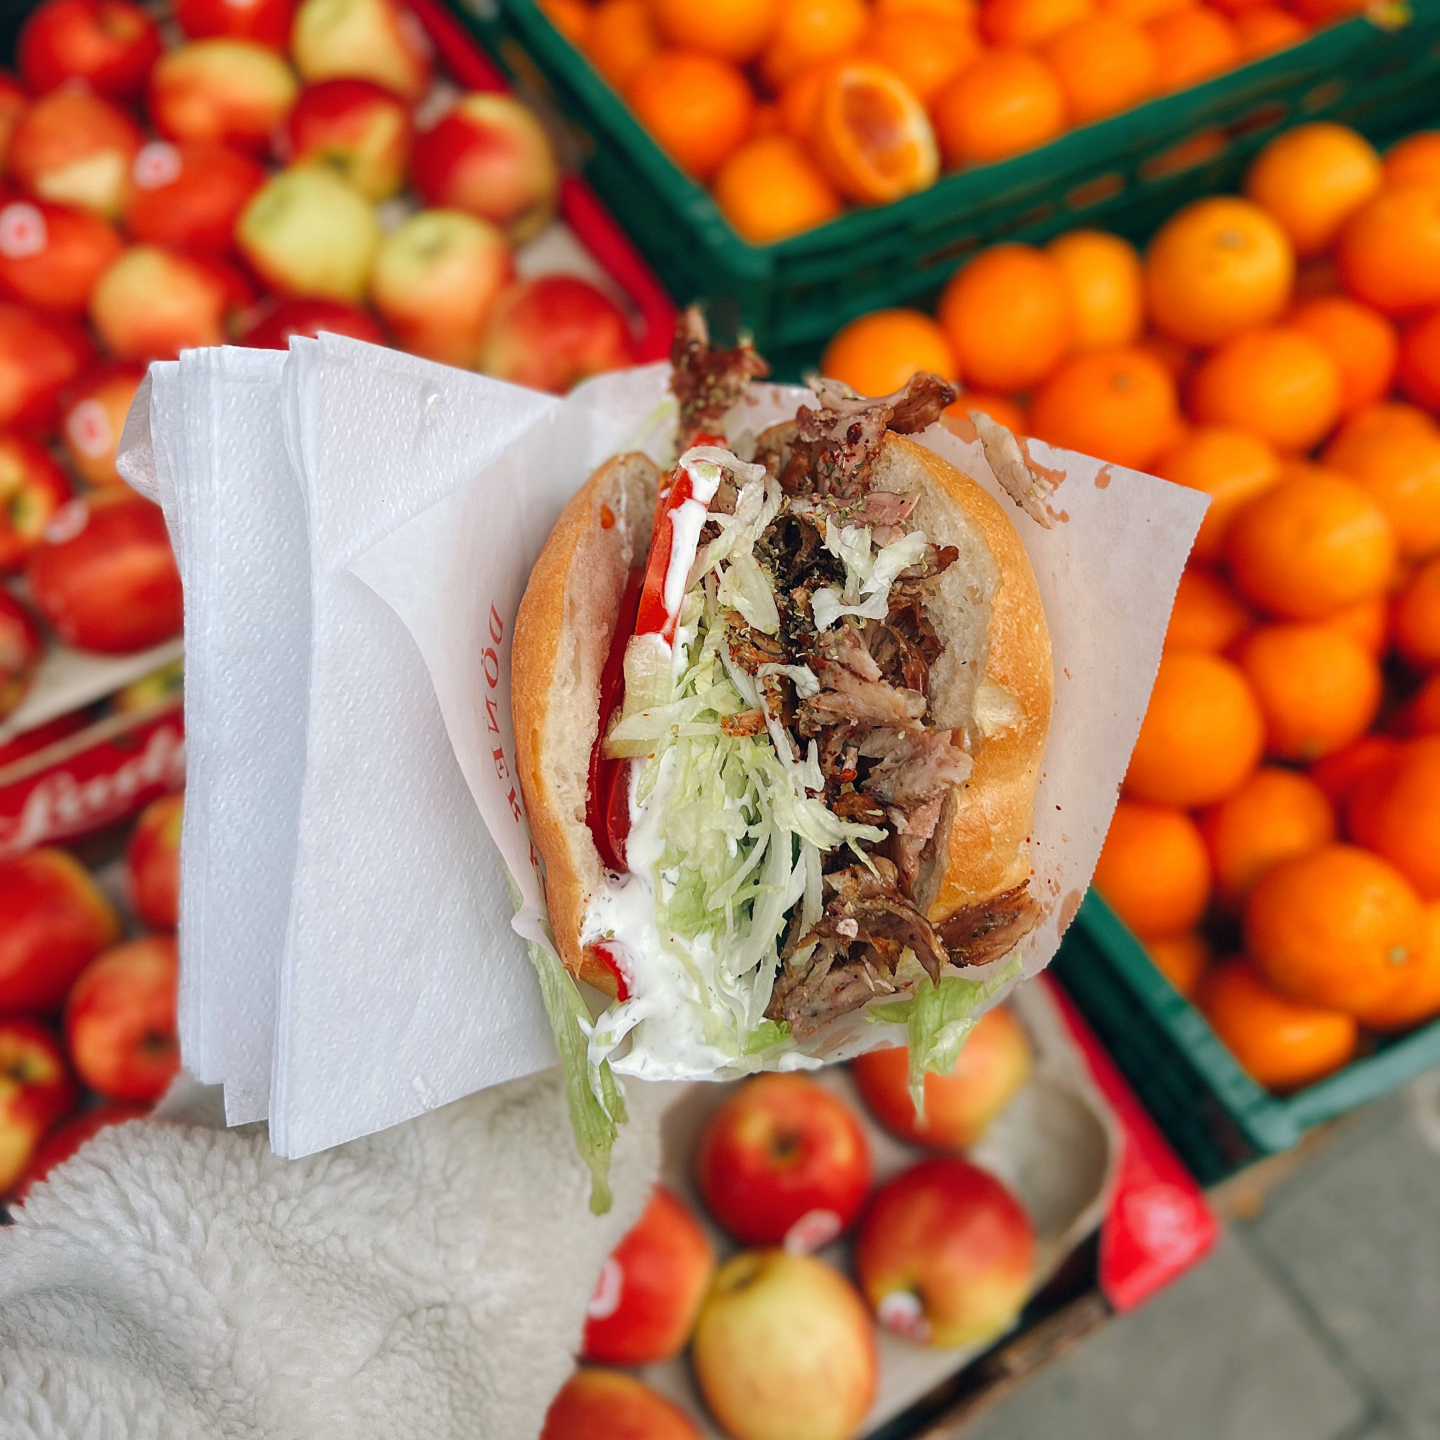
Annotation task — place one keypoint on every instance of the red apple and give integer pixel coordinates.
(94, 419)
(436, 281)
(362, 39)
(21, 648)
(152, 862)
(13, 103)
(553, 332)
(356, 126)
(222, 89)
(267, 22)
(489, 155)
(104, 575)
(63, 1141)
(650, 1288)
(53, 922)
(152, 303)
(120, 1020)
(313, 317)
(606, 1405)
(32, 488)
(36, 1089)
(39, 356)
(109, 44)
(52, 255)
(783, 1159)
(75, 148)
(945, 1254)
(784, 1350)
(994, 1063)
(307, 231)
(189, 195)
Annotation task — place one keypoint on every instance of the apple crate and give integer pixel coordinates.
(1216, 1117)
(1126, 173)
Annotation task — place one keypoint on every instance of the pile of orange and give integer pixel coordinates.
(1279, 351)
(790, 109)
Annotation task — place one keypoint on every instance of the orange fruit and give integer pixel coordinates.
(1400, 467)
(1181, 959)
(1104, 64)
(1230, 466)
(1420, 361)
(1312, 178)
(925, 51)
(1101, 274)
(1202, 734)
(1367, 623)
(1395, 811)
(770, 188)
(1416, 618)
(1386, 417)
(698, 108)
(799, 100)
(1008, 317)
(1192, 44)
(1361, 342)
(1000, 408)
(1207, 614)
(1416, 157)
(808, 31)
(1139, 11)
(1005, 101)
(1118, 404)
(879, 352)
(1335, 927)
(1421, 716)
(732, 29)
(1339, 773)
(1215, 268)
(1264, 29)
(1388, 253)
(1418, 995)
(570, 17)
(959, 12)
(1309, 546)
(1280, 1043)
(1153, 870)
(620, 38)
(1274, 381)
(1274, 815)
(871, 135)
(1317, 688)
(1029, 22)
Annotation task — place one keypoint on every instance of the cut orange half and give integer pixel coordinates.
(872, 136)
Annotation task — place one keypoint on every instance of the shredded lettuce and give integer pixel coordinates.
(869, 573)
(939, 1018)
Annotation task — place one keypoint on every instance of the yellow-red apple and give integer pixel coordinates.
(650, 1287)
(152, 862)
(39, 356)
(945, 1254)
(53, 922)
(67, 1137)
(553, 332)
(607, 1405)
(436, 280)
(783, 1160)
(275, 327)
(784, 1349)
(32, 488)
(110, 45)
(308, 231)
(120, 1020)
(52, 255)
(488, 154)
(221, 90)
(21, 648)
(361, 129)
(13, 104)
(994, 1063)
(364, 40)
(93, 420)
(267, 22)
(189, 195)
(36, 1089)
(75, 148)
(154, 302)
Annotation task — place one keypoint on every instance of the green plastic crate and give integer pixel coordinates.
(1211, 1111)
(1126, 173)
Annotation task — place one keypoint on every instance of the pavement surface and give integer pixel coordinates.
(1317, 1317)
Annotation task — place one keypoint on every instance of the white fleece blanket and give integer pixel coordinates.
(176, 1282)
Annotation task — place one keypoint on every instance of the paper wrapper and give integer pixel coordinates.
(383, 815)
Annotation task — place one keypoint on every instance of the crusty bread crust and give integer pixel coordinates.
(562, 636)
(992, 611)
